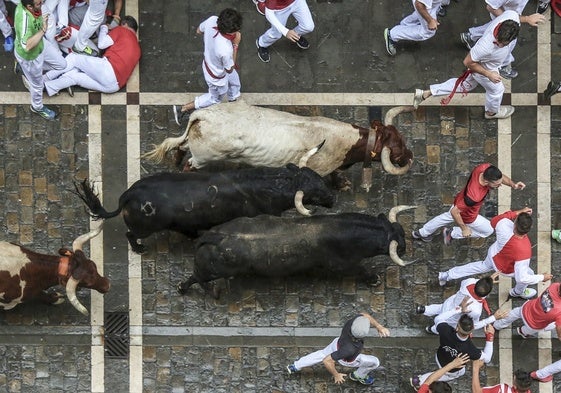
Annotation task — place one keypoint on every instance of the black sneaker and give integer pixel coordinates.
(552, 88)
(429, 330)
(262, 52)
(442, 11)
(303, 43)
(17, 68)
(417, 236)
(420, 309)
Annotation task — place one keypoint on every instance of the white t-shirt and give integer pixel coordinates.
(486, 52)
(506, 5)
(219, 52)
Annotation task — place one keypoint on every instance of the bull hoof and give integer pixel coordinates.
(181, 288)
(139, 248)
(375, 280)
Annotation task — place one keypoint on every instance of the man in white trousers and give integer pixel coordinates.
(509, 255)
(540, 314)
(221, 35)
(277, 13)
(34, 53)
(95, 15)
(546, 374)
(496, 8)
(346, 350)
(476, 292)
(419, 26)
(106, 74)
(6, 29)
(483, 62)
(467, 203)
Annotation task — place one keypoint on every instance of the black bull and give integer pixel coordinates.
(273, 246)
(188, 202)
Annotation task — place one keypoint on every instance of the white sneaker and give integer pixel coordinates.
(442, 278)
(527, 294)
(418, 98)
(503, 113)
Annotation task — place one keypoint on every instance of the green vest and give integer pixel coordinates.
(27, 26)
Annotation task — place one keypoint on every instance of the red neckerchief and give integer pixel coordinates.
(461, 79)
(496, 30)
(482, 300)
(228, 36)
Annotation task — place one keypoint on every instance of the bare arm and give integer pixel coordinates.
(507, 181)
(235, 44)
(382, 331)
(532, 20)
(456, 363)
(329, 364)
(495, 12)
(475, 384)
(36, 38)
(474, 66)
(456, 215)
(422, 10)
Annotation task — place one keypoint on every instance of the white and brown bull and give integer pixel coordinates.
(26, 275)
(240, 133)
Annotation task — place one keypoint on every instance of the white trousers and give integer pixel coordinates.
(49, 59)
(300, 11)
(481, 227)
(480, 267)
(363, 363)
(95, 15)
(553, 368)
(216, 93)
(92, 73)
(513, 315)
(446, 377)
(413, 28)
(5, 27)
(493, 91)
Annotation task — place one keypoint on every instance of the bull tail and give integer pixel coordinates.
(86, 193)
(158, 153)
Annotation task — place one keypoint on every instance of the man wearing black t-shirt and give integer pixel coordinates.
(346, 349)
(455, 341)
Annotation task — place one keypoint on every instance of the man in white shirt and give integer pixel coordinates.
(483, 62)
(221, 35)
(277, 13)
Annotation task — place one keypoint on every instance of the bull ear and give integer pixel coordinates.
(65, 252)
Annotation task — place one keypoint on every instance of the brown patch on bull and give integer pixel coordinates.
(9, 288)
(390, 137)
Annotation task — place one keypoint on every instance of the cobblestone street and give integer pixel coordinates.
(243, 341)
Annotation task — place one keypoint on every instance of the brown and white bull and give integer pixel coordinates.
(240, 133)
(25, 275)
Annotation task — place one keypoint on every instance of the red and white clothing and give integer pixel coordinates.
(549, 370)
(490, 56)
(478, 304)
(218, 57)
(107, 74)
(510, 255)
(541, 313)
(469, 202)
(277, 13)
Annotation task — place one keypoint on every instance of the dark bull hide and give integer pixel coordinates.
(25, 275)
(188, 202)
(272, 246)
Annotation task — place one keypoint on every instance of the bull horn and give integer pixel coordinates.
(71, 286)
(389, 166)
(393, 254)
(299, 205)
(392, 113)
(304, 160)
(158, 153)
(80, 240)
(392, 215)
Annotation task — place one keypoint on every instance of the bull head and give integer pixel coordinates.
(392, 217)
(72, 282)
